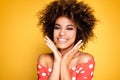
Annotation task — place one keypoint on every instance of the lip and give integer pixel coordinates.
(62, 40)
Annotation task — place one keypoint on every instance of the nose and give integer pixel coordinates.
(62, 32)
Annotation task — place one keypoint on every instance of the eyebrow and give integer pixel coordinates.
(67, 25)
(57, 24)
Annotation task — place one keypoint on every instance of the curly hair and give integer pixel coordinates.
(79, 12)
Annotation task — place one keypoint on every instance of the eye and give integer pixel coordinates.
(69, 28)
(56, 27)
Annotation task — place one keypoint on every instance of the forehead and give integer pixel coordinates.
(64, 20)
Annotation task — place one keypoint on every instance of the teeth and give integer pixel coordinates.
(62, 40)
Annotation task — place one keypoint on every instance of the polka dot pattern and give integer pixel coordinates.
(73, 68)
(91, 66)
(77, 71)
(39, 66)
(85, 77)
(92, 73)
(83, 71)
(43, 74)
(80, 68)
(49, 69)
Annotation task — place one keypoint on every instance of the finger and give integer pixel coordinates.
(49, 40)
(78, 43)
(76, 47)
(50, 44)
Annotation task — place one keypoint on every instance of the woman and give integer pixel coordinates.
(67, 27)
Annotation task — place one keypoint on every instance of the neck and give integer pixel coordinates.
(64, 51)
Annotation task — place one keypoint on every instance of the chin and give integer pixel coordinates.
(61, 47)
(64, 46)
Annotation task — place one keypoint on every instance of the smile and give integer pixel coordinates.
(62, 40)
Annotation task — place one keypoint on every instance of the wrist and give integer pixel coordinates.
(64, 63)
(57, 62)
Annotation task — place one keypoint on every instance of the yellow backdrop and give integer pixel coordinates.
(21, 41)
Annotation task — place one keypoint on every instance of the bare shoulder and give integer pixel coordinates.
(46, 59)
(84, 57)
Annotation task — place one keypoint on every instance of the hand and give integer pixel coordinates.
(68, 56)
(51, 45)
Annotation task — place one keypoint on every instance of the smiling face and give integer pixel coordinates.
(64, 33)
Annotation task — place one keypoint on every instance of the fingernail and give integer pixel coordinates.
(80, 41)
(80, 45)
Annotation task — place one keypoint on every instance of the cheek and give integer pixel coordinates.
(73, 34)
(55, 33)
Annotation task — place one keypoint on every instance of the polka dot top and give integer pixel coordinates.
(83, 71)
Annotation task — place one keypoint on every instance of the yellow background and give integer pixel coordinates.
(21, 41)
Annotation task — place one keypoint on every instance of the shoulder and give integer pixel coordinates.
(45, 59)
(85, 57)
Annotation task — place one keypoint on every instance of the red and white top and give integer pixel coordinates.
(83, 71)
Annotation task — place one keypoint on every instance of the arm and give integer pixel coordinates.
(85, 68)
(65, 73)
(60, 68)
(55, 74)
(87, 71)
(43, 68)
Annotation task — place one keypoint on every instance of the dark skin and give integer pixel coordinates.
(62, 62)
(64, 57)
